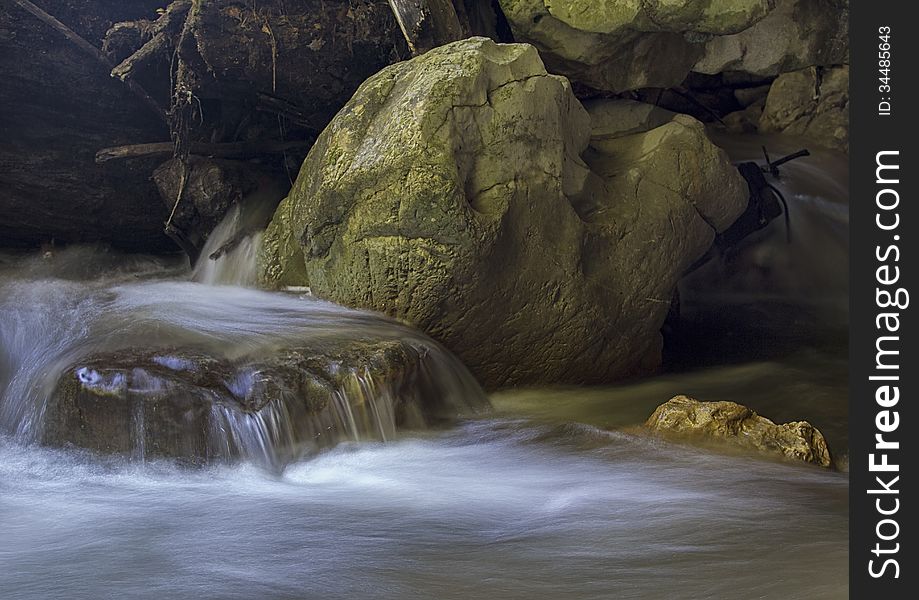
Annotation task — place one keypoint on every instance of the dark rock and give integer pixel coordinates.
(202, 190)
(311, 54)
(198, 407)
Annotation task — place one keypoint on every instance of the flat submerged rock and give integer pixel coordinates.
(182, 403)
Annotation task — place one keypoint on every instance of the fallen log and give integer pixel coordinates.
(290, 111)
(90, 50)
(236, 240)
(427, 24)
(152, 48)
(224, 150)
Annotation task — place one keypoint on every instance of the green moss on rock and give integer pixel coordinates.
(622, 45)
(452, 192)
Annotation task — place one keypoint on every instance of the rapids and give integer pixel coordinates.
(541, 497)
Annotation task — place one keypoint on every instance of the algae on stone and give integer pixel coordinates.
(795, 35)
(451, 193)
(627, 44)
(740, 426)
(811, 103)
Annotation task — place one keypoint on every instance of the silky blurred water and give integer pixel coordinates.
(550, 495)
(491, 509)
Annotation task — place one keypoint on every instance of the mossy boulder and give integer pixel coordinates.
(197, 406)
(627, 44)
(811, 103)
(794, 35)
(455, 191)
(734, 424)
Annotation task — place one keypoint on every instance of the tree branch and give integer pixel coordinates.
(225, 150)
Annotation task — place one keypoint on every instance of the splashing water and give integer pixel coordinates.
(495, 507)
(233, 265)
(208, 372)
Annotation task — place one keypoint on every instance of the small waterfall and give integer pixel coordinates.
(230, 254)
(170, 369)
(359, 410)
(806, 266)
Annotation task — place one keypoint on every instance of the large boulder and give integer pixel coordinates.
(811, 103)
(455, 191)
(626, 44)
(618, 118)
(621, 45)
(795, 35)
(198, 406)
(740, 426)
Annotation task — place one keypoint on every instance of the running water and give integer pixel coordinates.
(230, 255)
(492, 509)
(538, 499)
(143, 337)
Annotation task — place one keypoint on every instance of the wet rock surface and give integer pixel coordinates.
(734, 424)
(199, 407)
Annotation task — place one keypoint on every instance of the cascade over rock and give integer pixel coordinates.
(199, 406)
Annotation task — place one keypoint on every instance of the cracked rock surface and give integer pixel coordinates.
(464, 192)
(620, 45)
(794, 35)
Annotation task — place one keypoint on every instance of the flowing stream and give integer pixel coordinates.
(551, 494)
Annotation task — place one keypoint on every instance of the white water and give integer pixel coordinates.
(52, 321)
(489, 510)
(499, 507)
(239, 265)
(813, 267)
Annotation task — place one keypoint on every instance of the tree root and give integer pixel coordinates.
(162, 32)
